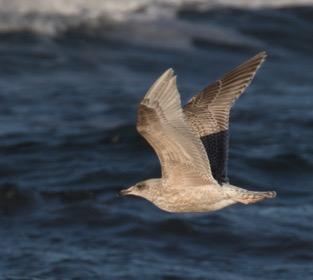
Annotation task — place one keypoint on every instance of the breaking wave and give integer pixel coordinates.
(58, 16)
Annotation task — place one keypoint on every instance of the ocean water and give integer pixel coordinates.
(71, 77)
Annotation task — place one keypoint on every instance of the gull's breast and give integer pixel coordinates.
(192, 199)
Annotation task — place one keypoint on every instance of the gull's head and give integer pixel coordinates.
(147, 189)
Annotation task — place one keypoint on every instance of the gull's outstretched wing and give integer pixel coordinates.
(162, 123)
(208, 112)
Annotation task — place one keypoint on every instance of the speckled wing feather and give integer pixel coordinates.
(162, 123)
(208, 112)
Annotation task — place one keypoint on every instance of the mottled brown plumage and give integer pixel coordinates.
(187, 183)
(162, 123)
(208, 112)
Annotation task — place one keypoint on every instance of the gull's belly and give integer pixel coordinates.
(193, 199)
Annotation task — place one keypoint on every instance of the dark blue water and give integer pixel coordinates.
(68, 144)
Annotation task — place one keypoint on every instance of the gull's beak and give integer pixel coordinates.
(125, 192)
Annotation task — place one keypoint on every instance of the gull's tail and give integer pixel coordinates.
(247, 197)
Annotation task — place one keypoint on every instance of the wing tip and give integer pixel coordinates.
(251, 65)
(161, 81)
(261, 57)
(262, 54)
(166, 76)
(169, 72)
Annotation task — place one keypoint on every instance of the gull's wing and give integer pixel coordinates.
(162, 123)
(208, 112)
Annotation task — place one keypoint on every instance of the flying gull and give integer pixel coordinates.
(192, 143)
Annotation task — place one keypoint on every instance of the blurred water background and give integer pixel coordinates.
(71, 76)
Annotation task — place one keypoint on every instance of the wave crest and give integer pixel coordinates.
(55, 17)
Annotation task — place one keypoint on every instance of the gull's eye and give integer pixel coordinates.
(140, 186)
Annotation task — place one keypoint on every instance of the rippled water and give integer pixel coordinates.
(68, 144)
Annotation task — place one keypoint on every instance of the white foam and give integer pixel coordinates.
(50, 17)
